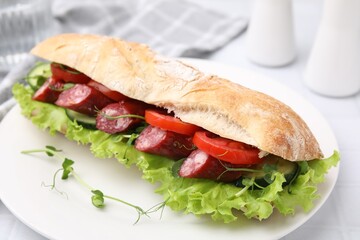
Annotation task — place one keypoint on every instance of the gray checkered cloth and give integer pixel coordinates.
(171, 27)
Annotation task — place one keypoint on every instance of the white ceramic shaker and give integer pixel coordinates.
(333, 68)
(270, 39)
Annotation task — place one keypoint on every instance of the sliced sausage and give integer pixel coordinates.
(199, 164)
(165, 143)
(49, 91)
(110, 119)
(116, 96)
(83, 99)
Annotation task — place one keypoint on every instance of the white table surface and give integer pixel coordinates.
(339, 218)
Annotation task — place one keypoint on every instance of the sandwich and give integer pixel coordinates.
(214, 147)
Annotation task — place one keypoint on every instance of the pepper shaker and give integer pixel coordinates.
(270, 37)
(333, 68)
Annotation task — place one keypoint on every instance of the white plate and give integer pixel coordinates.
(57, 217)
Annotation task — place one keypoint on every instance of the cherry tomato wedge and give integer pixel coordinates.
(116, 96)
(170, 123)
(68, 74)
(225, 149)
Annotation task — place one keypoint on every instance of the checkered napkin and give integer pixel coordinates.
(170, 27)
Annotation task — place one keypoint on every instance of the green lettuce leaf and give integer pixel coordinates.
(221, 201)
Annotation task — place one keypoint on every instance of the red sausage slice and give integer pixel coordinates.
(83, 99)
(49, 91)
(116, 96)
(199, 164)
(106, 119)
(165, 143)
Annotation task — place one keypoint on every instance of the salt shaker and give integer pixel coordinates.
(333, 68)
(270, 39)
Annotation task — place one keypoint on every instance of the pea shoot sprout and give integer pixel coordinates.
(97, 196)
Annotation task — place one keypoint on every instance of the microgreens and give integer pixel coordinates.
(130, 140)
(52, 185)
(179, 145)
(247, 183)
(97, 197)
(176, 167)
(269, 169)
(231, 169)
(67, 168)
(121, 116)
(66, 86)
(67, 69)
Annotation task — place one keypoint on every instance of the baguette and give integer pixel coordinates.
(216, 104)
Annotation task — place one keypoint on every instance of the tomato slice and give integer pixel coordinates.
(68, 74)
(116, 96)
(162, 120)
(225, 149)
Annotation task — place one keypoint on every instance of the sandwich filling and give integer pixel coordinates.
(199, 171)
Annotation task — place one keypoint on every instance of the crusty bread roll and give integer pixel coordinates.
(218, 105)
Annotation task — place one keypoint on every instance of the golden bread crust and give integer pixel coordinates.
(216, 104)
